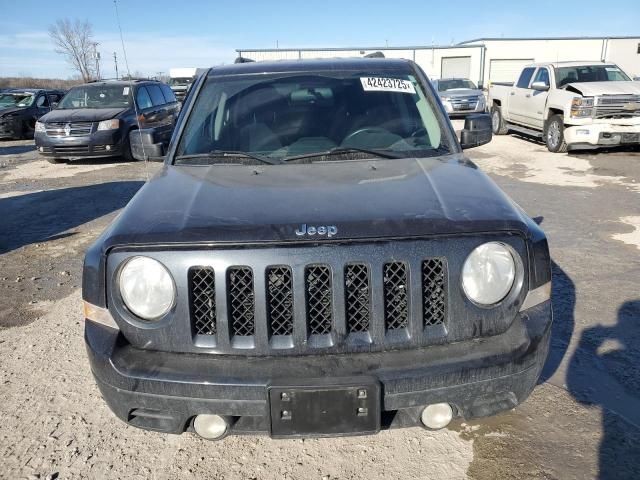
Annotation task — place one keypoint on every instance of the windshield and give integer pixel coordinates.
(452, 84)
(589, 73)
(24, 99)
(97, 96)
(180, 81)
(287, 116)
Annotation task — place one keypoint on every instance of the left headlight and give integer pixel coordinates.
(109, 124)
(146, 287)
(40, 127)
(488, 273)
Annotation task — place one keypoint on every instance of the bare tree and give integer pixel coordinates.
(74, 40)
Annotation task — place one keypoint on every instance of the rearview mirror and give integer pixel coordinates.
(146, 145)
(476, 131)
(540, 86)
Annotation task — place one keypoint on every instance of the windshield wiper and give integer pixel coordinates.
(229, 154)
(343, 150)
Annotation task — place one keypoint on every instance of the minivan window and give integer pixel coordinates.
(156, 95)
(97, 96)
(525, 77)
(143, 99)
(290, 115)
(169, 96)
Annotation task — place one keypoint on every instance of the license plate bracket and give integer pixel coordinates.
(321, 409)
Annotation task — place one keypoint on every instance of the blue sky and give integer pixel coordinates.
(161, 34)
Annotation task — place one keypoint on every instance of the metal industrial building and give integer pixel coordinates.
(483, 60)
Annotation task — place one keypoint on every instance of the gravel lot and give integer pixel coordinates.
(582, 421)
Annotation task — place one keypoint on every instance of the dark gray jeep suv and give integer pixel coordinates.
(317, 257)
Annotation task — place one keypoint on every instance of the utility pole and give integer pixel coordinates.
(115, 62)
(96, 57)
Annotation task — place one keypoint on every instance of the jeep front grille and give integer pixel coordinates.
(357, 293)
(356, 290)
(396, 307)
(241, 301)
(319, 299)
(280, 300)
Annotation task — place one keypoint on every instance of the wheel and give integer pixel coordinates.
(56, 160)
(126, 150)
(28, 130)
(497, 122)
(554, 135)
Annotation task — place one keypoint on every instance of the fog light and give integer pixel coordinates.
(108, 147)
(437, 416)
(210, 427)
(42, 149)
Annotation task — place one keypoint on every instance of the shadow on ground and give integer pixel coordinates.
(43, 216)
(16, 149)
(602, 372)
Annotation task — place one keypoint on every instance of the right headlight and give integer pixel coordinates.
(40, 127)
(146, 287)
(488, 273)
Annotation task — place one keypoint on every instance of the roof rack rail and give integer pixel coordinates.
(377, 54)
(243, 60)
(121, 79)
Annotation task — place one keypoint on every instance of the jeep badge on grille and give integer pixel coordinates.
(311, 230)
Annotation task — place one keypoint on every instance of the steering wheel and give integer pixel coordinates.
(419, 132)
(365, 130)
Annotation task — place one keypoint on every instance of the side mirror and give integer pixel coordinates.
(540, 86)
(476, 131)
(146, 146)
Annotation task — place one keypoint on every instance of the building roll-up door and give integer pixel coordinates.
(456, 67)
(506, 70)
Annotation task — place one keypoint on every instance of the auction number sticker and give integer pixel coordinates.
(382, 84)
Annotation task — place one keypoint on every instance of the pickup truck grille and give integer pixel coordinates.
(617, 106)
(75, 129)
(320, 297)
(464, 103)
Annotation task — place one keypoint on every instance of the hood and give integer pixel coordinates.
(82, 114)
(362, 199)
(592, 89)
(461, 92)
(5, 110)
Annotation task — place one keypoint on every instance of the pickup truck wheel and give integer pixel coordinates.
(497, 122)
(554, 135)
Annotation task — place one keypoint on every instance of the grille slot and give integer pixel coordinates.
(241, 301)
(319, 299)
(434, 293)
(357, 297)
(396, 297)
(280, 300)
(202, 292)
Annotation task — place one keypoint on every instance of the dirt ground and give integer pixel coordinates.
(582, 421)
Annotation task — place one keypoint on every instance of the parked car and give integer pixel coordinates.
(94, 119)
(460, 96)
(317, 258)
(20, 108)
(180, 81)
(569, 105)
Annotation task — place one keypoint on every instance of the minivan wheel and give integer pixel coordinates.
(554, 135)
(497, 122)
(56, 160)
(126, 150)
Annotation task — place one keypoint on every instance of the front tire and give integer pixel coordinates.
(56, 160)
(498, 125)
(554, 135)
(126, 150)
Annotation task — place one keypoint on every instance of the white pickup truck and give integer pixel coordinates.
(569, 105)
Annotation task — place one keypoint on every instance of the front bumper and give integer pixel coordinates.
(107, 143)
(164, 391)
(604, 134)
